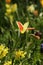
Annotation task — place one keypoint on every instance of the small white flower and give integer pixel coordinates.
(41, 14)
(0, 61)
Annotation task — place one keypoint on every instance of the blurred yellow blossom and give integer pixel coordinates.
(7, 5)
(8, 63)
(1, 48)
(10, 8)
(8, 11)
(3, 51)
(41, 2)
(31, 8)
(14, 7)
(19, 54)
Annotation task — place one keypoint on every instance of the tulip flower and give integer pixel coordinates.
(24, 28)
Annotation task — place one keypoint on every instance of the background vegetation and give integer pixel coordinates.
(21, 49)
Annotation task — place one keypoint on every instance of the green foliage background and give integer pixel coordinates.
(14, 40)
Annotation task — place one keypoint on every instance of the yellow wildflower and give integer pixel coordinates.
(19, 54)
(1, 48)
(14, 7)
(8, 5)
(10, 9)
(3, 51)
(8, 63)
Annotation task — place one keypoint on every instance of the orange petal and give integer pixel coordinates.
(20, 26)
(8, 1)
(30, 28)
